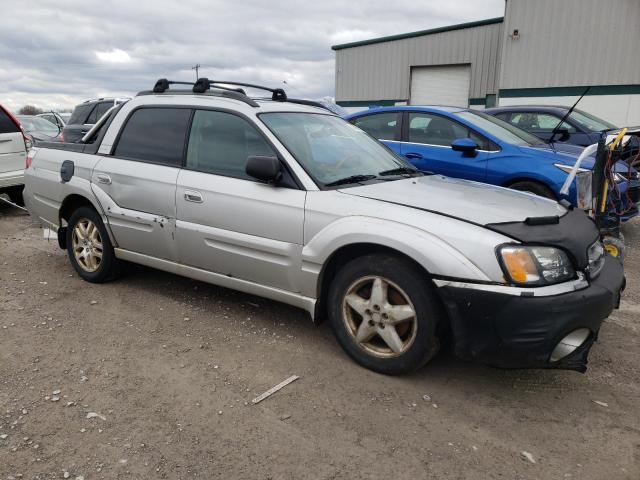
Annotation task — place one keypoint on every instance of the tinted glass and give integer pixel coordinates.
(381, 125)
(329, 148)
(6, 124)
(102, 108)
(93, 116)
(79, 114)
(432, 129)
(155, 135)
(221, 142)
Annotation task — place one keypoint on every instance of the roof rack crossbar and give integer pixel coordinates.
(277, 94)
(201, 86)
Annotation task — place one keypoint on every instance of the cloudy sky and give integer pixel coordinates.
(54, 54)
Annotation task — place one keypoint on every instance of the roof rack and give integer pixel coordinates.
(202, 85)
(162, 85)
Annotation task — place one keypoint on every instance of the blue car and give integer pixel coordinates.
(465, 143)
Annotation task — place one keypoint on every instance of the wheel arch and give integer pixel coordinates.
(531, 179)
(350, 252)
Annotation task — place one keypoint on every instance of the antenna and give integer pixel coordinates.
(196, 67)
(557, 127)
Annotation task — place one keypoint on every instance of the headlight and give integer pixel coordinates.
(596, 258)
(535, 265)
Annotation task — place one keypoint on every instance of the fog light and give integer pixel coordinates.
(569, 344)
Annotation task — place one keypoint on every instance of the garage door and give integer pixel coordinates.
(447, 85)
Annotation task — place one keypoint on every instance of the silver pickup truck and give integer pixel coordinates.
(290, 202)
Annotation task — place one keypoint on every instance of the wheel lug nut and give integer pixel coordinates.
(376, 307)
(385, 316)
(372, 323)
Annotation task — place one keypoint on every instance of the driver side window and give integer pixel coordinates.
(430, 129)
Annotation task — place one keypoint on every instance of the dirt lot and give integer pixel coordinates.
(171, 363)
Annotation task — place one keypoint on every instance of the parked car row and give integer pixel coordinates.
(473, 145)
(286, 200)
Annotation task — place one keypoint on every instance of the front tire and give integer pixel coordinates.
(384, 313)
(535, 188)
(89, 247)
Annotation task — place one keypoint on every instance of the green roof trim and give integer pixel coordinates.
(570, 91)
(368, 103)
(420, 33)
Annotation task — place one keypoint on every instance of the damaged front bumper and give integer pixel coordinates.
(509, 327)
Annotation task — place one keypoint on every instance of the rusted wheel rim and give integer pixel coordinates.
(379, 317)
(87, 245)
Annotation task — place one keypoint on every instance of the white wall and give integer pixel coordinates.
(621, 110)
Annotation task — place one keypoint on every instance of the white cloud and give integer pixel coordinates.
(114, 56)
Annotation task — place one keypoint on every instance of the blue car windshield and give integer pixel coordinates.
(503, 131)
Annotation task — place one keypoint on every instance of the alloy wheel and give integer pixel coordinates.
(87, 245)
(379, 316)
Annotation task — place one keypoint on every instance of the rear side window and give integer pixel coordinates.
(102, 108)
(6, 124)
(220, 143)
(155, 135)
(381, 125)
(80, 114)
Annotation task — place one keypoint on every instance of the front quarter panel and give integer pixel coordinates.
(444, 246)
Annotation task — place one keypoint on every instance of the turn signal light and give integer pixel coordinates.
(520, 265)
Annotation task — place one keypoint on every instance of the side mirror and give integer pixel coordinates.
(468, 147)
(563, 134)
(265, 169)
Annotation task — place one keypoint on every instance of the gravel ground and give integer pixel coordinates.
(170, 366)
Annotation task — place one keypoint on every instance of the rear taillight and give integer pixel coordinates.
(29, 159)
(28, 143)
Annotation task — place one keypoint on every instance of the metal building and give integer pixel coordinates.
(540, 52)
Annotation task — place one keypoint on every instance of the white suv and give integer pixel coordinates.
(13, 152)
(288, 201)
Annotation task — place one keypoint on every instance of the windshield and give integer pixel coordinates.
(332, 150)
(37, 124)
(591, 123)
(500, 129)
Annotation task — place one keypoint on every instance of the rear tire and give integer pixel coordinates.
(384, 313)
(89, 247)
(535, 188)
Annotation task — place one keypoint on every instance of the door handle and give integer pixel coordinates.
(193, 196)
(414, 156)
(5, 140)
(104, 178)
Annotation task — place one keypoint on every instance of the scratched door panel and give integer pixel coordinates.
(139, 201)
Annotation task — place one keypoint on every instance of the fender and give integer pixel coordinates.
(430, 251)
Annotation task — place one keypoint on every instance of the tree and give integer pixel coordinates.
(30, 110)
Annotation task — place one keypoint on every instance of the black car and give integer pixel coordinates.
(580, 128)
(85, 115)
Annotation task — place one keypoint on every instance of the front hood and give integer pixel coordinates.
(470, 201)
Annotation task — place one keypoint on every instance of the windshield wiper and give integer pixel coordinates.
(350, 179)
(400, 171)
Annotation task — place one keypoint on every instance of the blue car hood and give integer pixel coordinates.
(567, 155)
